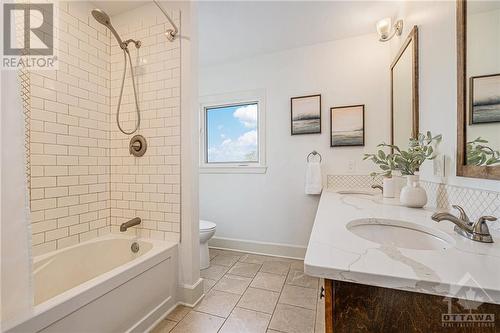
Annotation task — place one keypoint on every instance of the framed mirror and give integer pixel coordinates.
(404, 92)
(478, 89)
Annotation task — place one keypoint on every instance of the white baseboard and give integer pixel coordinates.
(190, 295)
(272, 249)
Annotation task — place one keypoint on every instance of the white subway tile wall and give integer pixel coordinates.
(147, 186)
(70, 121)
(84, 182)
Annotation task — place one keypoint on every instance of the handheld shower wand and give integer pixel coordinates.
(103, 18)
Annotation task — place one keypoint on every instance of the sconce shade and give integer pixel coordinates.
(384, 27)
(386, 30)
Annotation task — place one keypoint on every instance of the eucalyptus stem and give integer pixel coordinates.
(408, 162)
(479, 154)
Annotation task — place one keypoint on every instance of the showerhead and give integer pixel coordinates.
(103, 18)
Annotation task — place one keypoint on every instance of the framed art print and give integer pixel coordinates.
(306, 114)
(347, 126)
(484, 99)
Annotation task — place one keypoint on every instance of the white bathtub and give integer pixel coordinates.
(102, 286)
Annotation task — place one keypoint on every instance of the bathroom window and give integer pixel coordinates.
(232, 133)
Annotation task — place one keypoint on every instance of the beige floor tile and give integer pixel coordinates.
(208, 284)
(299, 278)
(178, 313)
(165, 326)
(275, 267)
(246, 321)
(259, 300)
(233, 284)
(214, 272)
(254, 293)
(196, 322)
(268, 281)
(297, 265)
(299, 296)
(254, 259)
(292, 319)
(218, 303)
(244, 269)
(227, 260)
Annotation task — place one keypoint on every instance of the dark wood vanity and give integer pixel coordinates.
(352, 307)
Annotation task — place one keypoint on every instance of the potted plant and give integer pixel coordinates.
(387, 165)
(408, 162)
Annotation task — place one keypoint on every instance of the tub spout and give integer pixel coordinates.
(131, 223)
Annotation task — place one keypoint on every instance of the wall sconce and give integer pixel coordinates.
(386, 30)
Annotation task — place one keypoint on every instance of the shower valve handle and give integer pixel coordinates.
(136, 145)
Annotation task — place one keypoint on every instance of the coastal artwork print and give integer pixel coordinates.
(485, 99)
(347, 126)
(306, 114)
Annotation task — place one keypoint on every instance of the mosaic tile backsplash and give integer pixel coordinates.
(441, 196)
(351, 181)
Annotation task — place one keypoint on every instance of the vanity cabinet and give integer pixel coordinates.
(352, 307)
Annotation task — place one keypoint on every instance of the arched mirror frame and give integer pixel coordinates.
(464, 170)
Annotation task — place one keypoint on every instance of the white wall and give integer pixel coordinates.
(273, 207)
(438, 77)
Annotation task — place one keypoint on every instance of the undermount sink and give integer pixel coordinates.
(400, 234)
(359, 192)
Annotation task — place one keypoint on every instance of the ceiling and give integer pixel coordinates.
(241, 29)
(232, 30)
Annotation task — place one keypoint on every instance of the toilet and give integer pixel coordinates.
(207, 231)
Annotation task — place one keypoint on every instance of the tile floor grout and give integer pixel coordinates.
(276, 305)
(225, 319)
(255, 267)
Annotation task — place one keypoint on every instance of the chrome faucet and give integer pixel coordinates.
(131, 223)
(477, 231)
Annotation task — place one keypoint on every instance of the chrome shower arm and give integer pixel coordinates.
(175, 31)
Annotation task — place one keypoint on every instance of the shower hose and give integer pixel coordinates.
(138, 122)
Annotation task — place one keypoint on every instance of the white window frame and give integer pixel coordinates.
(221, 100)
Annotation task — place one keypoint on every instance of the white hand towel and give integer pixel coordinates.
(313, 178)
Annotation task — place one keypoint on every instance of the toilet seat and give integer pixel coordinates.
(207, 225)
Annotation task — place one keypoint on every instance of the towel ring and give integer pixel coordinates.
(314, 153)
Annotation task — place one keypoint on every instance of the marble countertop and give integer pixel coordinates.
(467, 269)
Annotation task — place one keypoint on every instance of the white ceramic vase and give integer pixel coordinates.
(389, 185)
(412, 195)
